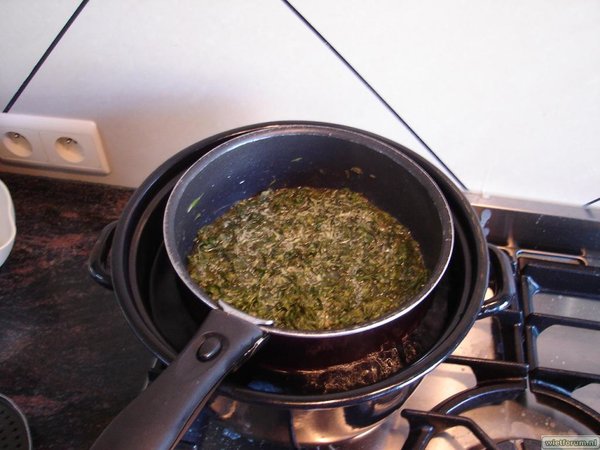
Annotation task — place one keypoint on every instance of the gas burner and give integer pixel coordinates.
(499, 413)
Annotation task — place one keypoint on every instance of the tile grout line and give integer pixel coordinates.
(590, 203)
(47, 53)
(374, 92)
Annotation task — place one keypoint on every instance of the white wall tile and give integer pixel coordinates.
(158, 76)
(507, 93)
(26, 30)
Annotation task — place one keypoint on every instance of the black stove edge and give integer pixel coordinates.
(549, 231)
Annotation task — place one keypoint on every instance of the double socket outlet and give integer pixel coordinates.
(51, 142)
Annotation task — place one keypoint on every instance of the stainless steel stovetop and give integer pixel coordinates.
(529, 371)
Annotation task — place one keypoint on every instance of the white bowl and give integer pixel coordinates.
(8, 229)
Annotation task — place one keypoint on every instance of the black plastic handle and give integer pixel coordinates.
(98, 265)
(504, 283)
(160, 415)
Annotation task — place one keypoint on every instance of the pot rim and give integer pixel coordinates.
(377, 145)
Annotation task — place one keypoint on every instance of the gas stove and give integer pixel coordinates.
(523, 378)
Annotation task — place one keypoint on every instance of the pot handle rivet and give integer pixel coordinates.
(210, 348)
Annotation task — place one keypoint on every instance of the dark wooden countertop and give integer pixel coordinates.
(67, 356)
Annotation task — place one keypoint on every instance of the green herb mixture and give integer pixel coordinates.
(308, 258)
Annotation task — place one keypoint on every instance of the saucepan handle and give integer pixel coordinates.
(98, 265)
(504, 284)
(161, 414)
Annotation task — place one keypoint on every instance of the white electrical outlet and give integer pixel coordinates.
(67, 144)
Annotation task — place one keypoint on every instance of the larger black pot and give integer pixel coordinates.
(136, 239)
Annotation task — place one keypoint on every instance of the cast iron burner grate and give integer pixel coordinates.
(544, 390)
(490, 393)
(572, 324)
(496, 392)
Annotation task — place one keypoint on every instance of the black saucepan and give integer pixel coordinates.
(316, 156)
(294, 155)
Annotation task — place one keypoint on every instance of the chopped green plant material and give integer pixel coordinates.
(195, 202)
(308, 258)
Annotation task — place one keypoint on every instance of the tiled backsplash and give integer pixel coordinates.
(507, 94)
